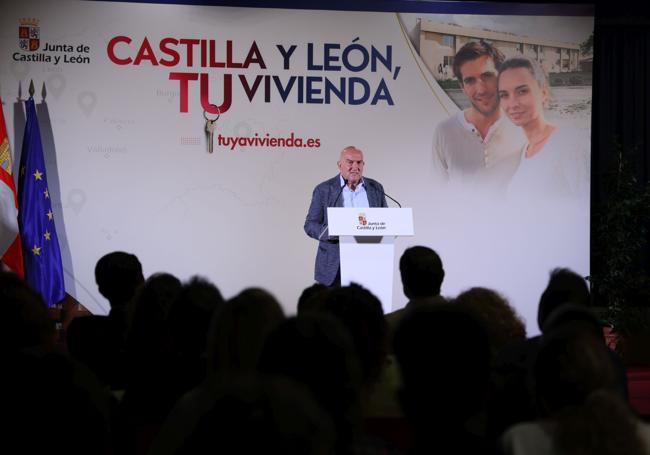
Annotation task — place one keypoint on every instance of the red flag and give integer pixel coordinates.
(10, 248)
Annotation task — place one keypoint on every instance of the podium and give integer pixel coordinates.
(367, 246)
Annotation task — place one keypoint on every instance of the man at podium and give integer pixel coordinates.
(348, 189)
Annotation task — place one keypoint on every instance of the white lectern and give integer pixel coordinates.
(367, 246)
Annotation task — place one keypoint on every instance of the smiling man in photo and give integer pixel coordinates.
(477, 148)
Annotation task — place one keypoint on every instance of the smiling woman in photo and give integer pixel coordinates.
(554, 159)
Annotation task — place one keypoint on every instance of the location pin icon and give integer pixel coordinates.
(87, 101)
(56, 84)
(76, 200)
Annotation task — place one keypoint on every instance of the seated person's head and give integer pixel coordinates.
(317, 351)
(503, 324)
(27, 323)
(190, 316)
(576, 318)
(118, 274)
(361, 313)
(564, 286)
(569, 367)
(421, 271)
(312, 298)
(238, 331)
(149, 313)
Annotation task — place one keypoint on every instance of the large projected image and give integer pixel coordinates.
(545, 93)
(512, 153)
(479, 123)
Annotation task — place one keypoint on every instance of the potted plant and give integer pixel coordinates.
(619, 282)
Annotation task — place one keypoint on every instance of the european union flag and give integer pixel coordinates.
(41, 253)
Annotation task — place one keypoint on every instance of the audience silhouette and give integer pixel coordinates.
(98, 341)
(315, 350)
(444, 356)
(175, 369)
(45, 389)
(581, 409)
(422, 275)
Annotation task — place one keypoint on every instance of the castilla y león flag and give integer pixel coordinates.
(10, 248)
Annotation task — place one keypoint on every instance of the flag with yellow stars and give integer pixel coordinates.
(41, 253)
(11, 253)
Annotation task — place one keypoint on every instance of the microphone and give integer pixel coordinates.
(392, 199)
(345, 182)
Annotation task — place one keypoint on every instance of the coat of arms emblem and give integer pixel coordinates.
(29, 35)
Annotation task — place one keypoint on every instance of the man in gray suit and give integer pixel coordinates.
(348, 189)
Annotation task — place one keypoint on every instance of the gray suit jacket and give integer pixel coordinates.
(327, 257)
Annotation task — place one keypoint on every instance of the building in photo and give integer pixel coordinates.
(440, 42)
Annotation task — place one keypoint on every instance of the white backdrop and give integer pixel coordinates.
(129, 171)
